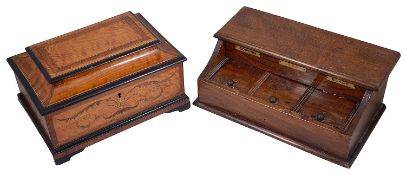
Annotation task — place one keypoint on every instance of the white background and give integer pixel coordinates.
(196, 141)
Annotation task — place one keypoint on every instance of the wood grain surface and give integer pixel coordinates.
(91, 44)
(331, 53)
(319, 91)
(117, 104)
(51, 94)
(142, 77)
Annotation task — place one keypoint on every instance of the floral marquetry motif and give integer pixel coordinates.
(117, 105)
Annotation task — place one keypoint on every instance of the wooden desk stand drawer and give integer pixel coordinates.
(330, 110)
(317, 90)
(237, 75)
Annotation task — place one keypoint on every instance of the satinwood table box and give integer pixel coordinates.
(319, 91)
(89, 84)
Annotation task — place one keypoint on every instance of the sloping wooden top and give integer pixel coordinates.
(356, 61)
(91, 46)
(49, 97)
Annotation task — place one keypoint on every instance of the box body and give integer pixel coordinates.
(301, 100)
(113, 83)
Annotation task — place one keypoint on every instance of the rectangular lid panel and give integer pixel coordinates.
(356, 61)
(86, 48)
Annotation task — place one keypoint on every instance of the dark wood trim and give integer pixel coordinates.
(53, 80)
(153, 30)
(45, 110)
(66, 158)
(107, 129)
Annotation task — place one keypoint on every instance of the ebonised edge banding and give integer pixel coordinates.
(99, 132)
(53, 80)
(52, 108)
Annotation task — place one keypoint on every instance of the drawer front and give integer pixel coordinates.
(116, 104)
(326, 109)
(281, 92)
(237, 76)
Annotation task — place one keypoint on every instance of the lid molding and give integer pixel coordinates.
(87, 67)
(83, 49)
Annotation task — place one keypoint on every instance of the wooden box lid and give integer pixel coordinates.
(329, 53)
(72, 67)
(89, 47)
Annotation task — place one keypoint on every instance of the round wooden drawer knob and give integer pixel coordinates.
(320, 117)
(230, 83)
(273, 99)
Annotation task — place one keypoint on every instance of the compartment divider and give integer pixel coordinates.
(306, 95)
(216, 68)
(257, 84)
